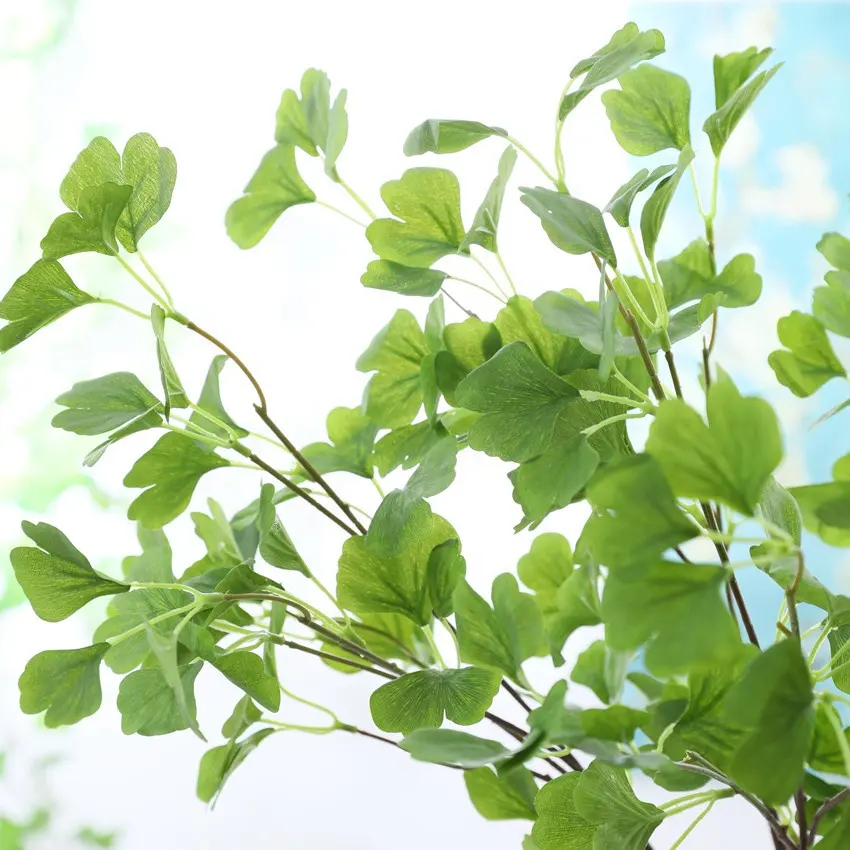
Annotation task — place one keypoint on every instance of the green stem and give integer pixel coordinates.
(338, 211)
(378, 487)
(611, 420)
(490, 275)
(143, 283)
(432, 644)
(693, 173)
(201, 438)
(505, 271)
(214, 420)
(356, 198)
(638, 253)
(628, 296)
(297, 727)
(523, 149)
(629, 385)
(267, 439)
(155, 276)
(835, 721)
(477, 286)
(191, 607)
(126, 307)
(331, 597)
(310, 704)
(712, 213)
(448, 627)
(818, 643)
(592, 395)
(694, 824)
(696, 798)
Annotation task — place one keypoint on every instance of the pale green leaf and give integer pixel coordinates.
(444, 136)
(810, 361)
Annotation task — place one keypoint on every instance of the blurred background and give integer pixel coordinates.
(206, 82)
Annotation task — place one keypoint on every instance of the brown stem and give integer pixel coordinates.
(459, 305)
(674, 374)
(308, 467)
(825, 809)
(302, 493)
(800, 800)
(516, 695)
(327, 656)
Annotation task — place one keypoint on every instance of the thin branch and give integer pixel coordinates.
(516, 695)
(800, 800)
(302, 493)
(328, 656)
(459, 305)
(674, 374)
(824, 810)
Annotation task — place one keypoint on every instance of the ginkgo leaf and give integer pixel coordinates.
(428, 224)
(246, 671)
(276, 546)
(352, 438)
(405, 280)
(620, 205)
(446, 569)
(421, 699)
(655, 209)
(172, 387)
(275, 187)
(559, 826)
(733, 70)
(444, 136)
(219, 763)
(508, 797)
(149, 706)
(57, 578)
(65, 683)
(38, 297)
(171, 470)
(451, 746)
(210, 402)
(485, 225)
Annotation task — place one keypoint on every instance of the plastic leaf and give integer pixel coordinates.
(655, 209)
(810, 361)
(276, 546)
(485, 225)
(451, 746)
(395, 277)
(149, 705)
(210, 401)
(509, 797)
(559, 826)
(620, 205)
(444, 136)
(246, 671)
(219, 763)
(733, 70)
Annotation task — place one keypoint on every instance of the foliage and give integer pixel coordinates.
(689, 691)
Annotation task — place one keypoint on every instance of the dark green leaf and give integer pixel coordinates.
(652, 111)
(774, 701)
(107, 403)
(395, 277)
(210, 401)
(38, 297)
(276, 546)
(730, 459)
(64, 682)
(509, 797)
(247, 672)
(405, 447)
(574, 226)
(446, 568)
(678, 608)
(620, 206)
(171, 469)
(449, 746)
(427, 200)
(641, 518)
(420, 699)
(733, 70)
(627, 47)
(655, 209)
(57, 578)
(522, 402)
(485, 225)
(439, 135)
(92, 227)
(720, 125)
(810, 362)
(175, 395)
(519, 321)
(149, 706)
(838, 835)
(275, 187)
(559, 826)
(394, 394)
(369, 584)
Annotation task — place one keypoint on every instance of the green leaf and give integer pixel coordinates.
(174, 394)
(149, 170)
(149, 706)
(276, 546)
(275, 187)
(352, 437)
(420, 699)
(38, 297)
(521, 401)
(65, 683)
(655, 209)
(831, 307)
(57, 578)
(439, 135)
(838, 637)
(603, 796)
(210, 401)
(620, 205)
(219, 763)
(245, 714)
(171, 470)
(395, 277)
(559, 826)
(572, 225)
(405, 447)
(509, 797)
(450, 746)
(551, 481)
(107, 403)
(404, 515)
(485, 225)
(614, 723)
(92, 227)
(627, 47)
(835, 249)
(370, 584)
(639, 518)
(774, 701)
(733, 70)
(677, 609)
(687, 277)
(651, 112)
(519, 321)
(720, 124)
(501, 637)
(394, 394)
(247, 672)
(446, 568)
(838, 835)
(810, 361)
(730, 459)
(427, 200)
(602, 670)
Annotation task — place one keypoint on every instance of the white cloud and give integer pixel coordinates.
(803, 193)
(755, 25)
(743, 144)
